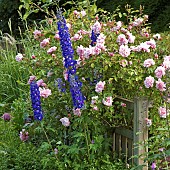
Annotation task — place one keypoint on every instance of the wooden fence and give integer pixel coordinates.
(128, 143)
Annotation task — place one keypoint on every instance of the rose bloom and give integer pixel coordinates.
(160, 71)
(149, 62)
(45, 42)
(65, 121)
(162, 112)
(95, 108)
(160, 85)
(77, 112)
(123, 104)
(131, 38)
(41, 83)
(124, 50)
(100, 86)
(83, 13)
(51, 50)
(108, 101)
(149, 82)
(121, 39)
(44, 92)
(19, 57)
(37, 34)
(96, 27)
(31, 79)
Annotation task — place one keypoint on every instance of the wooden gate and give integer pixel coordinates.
(128, 143)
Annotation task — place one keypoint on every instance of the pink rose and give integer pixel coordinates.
(160, 85)
(45, 42)
(148, 122)
(65, 121)
(149, 82)
(100, 86)
(31, 79)
(124, 50)
(162, 112)
(160, 71)
(149, 62)
(51, 50)
(108, 101)
(77, 112)
(121, 39)
(44, 92)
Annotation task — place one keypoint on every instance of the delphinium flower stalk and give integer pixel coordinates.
(69, 62)
(36, 102)
(60, 84)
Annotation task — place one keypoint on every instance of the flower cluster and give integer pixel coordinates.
(69, 62)
(36, 103)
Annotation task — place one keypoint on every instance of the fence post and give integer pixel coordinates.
(140, 131)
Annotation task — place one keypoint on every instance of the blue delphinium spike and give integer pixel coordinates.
(93, 38)
(36, 102)
(69, 62)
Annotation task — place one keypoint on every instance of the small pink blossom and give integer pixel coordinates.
(149, 81)
(95, 108)
(75, 12)
(100, 86)
(144, 47)
(121, 39)
(162, 112)
(57, 37)
(159, 72)
(76, 37)
(23, 135)
(55, 151)
(65, 74)
(161, 149)
(123, 104)
(44, 92)
(137, 22)
(51, 50)
(37, 34)
(6, 117)
(153, 166)
(83, 13)
(131, 38)
(123, 63)
(41, 83)
(94, 100)
(96, 27)
(65, 121)
(148, 63)
(156, 56)
(31, 79)
(108, 101)
(19, 57)
(77, 112)
(148, 122)
(45, 42)
(160, 85)
(124, 50)
(152, 43)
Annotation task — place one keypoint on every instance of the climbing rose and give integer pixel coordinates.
(149, 62)
(99, 86)
(65, 121)
(162, 112)
(160, 71)
(149, 82)
(45, 42)
(77, 112)
(124, 50)
(44, 92)
(160, 85)
(108, 101)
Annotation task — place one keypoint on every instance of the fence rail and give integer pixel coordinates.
(128, 143)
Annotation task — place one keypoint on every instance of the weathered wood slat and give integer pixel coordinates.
(124, 132)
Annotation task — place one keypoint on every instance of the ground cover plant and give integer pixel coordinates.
(57, 94)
